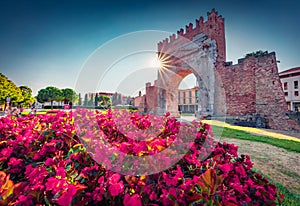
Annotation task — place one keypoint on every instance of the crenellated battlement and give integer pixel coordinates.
(250, 87)
(213, 28)
(251, 62)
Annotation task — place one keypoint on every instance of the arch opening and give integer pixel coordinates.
(188, 95)
(183, 90)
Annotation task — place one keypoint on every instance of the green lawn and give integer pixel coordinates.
(289, 145)
(39, 112)
(187, 114)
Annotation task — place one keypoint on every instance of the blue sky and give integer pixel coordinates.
(47, 42)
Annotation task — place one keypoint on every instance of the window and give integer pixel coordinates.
(178, 97)
(183, 97)
(286, 94)
(296, 93)
(285, 85)
(295, 84)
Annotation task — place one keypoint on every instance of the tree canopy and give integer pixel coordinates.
(79, 100)
(50, 94)
(104, 101)
(17, 95)
(257, 53)
(86, 101)
(69, 95)
(27, 96)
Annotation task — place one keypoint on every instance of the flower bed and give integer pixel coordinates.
(49, 160)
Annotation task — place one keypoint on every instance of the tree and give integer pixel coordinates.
(104, 101)
(96, 100)
(86, 101)
(79, 100)
(69, 95)
(27, 96)
(91, 101)
(257, 53)
(49, 94)
(9, 89)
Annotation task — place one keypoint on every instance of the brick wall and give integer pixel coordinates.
(251, 87)
(239, 86)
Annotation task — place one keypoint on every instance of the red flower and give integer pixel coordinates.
(66, 198)
(238, 187)
(60, 173)
(97, 194)
(57, 183)
(36, 176)
(116, 189)
(14, 162)
(49, 162)
(226, 167)
(133, 200)
(6, 152)
(114, 178)
(24, 200)
(153, 196)
(58, 170)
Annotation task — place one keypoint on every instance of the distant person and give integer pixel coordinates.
(8, 110)
(15, 112)
(33, 110)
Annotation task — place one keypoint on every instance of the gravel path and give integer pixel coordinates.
(279, 164)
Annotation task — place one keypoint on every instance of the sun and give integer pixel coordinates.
(156, 62)
(161, 61)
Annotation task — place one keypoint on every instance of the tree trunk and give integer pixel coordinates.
(51, 104)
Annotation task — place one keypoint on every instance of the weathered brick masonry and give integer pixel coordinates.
(252, 86)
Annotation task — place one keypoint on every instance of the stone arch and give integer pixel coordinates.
(168, 92)
(198, 57)
(181, 57)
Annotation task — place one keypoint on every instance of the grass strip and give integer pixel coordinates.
(289, 145)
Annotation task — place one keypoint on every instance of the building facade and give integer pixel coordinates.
(290, 80)
(188, 100)
(147, 103)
